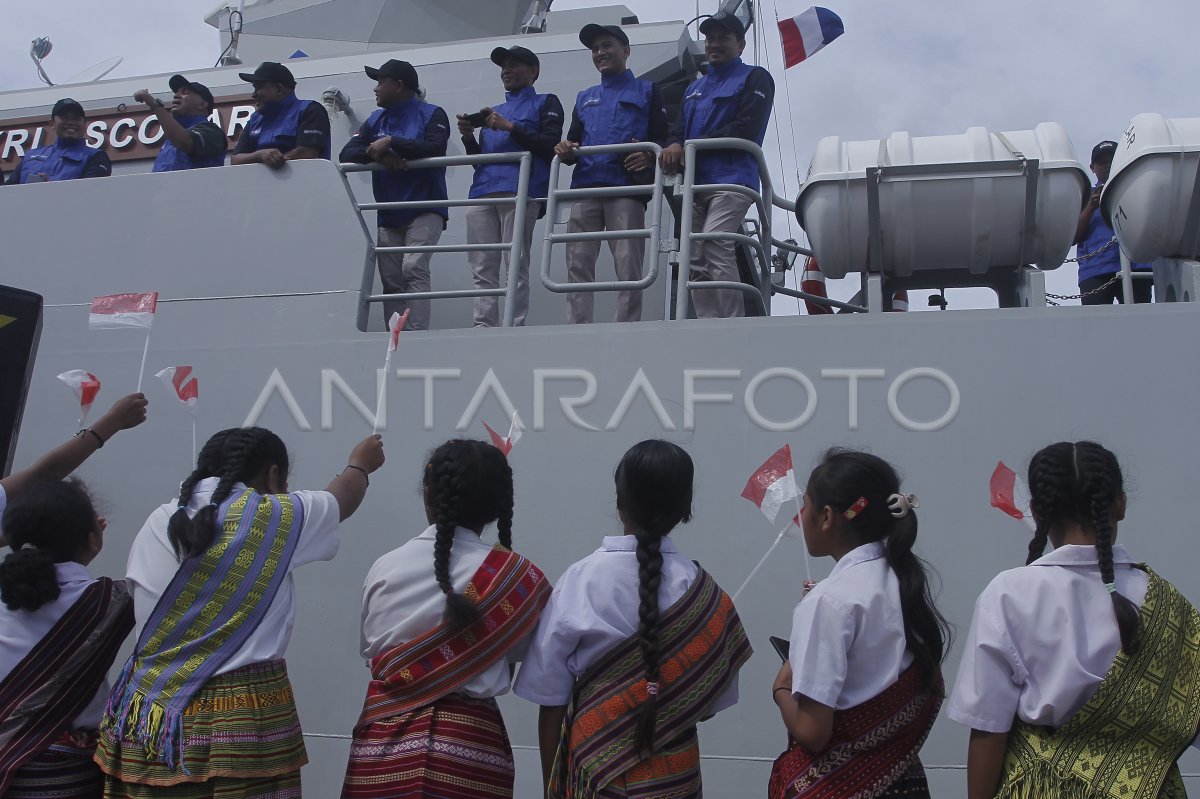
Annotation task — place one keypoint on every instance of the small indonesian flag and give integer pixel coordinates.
(773, 484)
(85, 385)
(505, 444)
(395, 325)
(1010, 494)
(805, 34)
(123, 310)
(180, 380)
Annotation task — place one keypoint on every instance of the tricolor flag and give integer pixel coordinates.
(180, 380)
(807, 33)
(85, 385)
(773, 484)
(123, 310)
(505, 444)
(1010, 494)
(395, 325)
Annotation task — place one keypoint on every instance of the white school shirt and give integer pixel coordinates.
(848, 641)
(594, 607)
(152, 565)
(21, 630)
(402, 601)
(1042, 640)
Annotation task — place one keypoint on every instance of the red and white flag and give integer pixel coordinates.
(505, 443)
(123, 310)
(85, 385)
(180, 380)
(395, 325)
(773, 484)
(1010, 494)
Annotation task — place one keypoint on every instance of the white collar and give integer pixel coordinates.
(862, 554)
(628, 543)
(460, 534)
(1082, 555)
(71, 572)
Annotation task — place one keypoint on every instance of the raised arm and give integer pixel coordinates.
(349, 487)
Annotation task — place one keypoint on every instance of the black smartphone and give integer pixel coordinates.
(477, 119)
(782, 646)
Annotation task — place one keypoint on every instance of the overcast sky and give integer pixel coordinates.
(932, 67)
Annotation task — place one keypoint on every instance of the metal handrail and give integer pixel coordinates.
(653, 230)
(515, 248)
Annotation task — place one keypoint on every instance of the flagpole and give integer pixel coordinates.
(142, 368)
(382, 390)
(194, 457)
(759, 565)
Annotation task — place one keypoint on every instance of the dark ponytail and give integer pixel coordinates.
(654, 495)
(237, 455)
(841, 480)
(466, 484)
(48, 524)
(1080, 483)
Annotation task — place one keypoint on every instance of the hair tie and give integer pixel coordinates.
(858, 507)
(901, 504)
(652, 689)
(1112, 587)
(28, 546)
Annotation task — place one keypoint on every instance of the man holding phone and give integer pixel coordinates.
(69, 157)
(1099, 256)
(528, 121)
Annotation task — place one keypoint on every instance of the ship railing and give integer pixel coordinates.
(652, 230)
(515, 248)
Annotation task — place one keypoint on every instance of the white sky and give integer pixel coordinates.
(932, 67)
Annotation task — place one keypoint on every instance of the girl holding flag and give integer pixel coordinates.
(1081, 675)
(862, 684)
(636, 647)
(445, 617)
(204, 707)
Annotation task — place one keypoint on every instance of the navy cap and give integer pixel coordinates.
(592, 32)
(271, 71)
(178, 82)
(1104, 151)
(402, 71)
(502, 54)
(67, 106)
(725, 21)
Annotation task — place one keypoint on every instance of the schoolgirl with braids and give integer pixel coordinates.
(444, 618)
(637, 646)
(862, 684)
(1081, 675)
(204, 706)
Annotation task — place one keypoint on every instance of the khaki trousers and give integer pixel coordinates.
(493, 224)
(408, 272)
(717, 212)
(590, 216)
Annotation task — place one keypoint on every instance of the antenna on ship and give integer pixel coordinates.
(229, 56)
(535, 18)
(39, 49)
(98, 71)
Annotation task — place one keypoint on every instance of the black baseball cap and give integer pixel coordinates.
(726, 21)
(1104, 151)
(502, 54)
(271, 71)
(592, 32)
(394, 68)
(67, 106)
(178, 82)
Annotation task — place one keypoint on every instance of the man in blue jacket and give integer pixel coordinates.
(69, 157)
(404, 128)
(284, 127)
(525, 120)
(732, 100)
(620, 109)
(1099, 256)
(190, 139)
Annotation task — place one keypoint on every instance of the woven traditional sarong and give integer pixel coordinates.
(209, 610)
(63, 771)
(702, 645)
(241, 726)
(416, 737)
(40, 698)
(872, 752)
(1123, 743)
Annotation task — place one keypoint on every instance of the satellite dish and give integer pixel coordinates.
(95, 73)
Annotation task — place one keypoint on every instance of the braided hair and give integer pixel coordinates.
(654, 495)
(839, 481)
(468, 484)
(49, 523)
(236, 455)
(1080, 483)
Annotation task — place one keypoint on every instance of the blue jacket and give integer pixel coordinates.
(418, 130)
(731, 101)
(538, 124)
(62, 162)
(172, 159)
(619, 110)
(278, 125)
(1107, 262)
